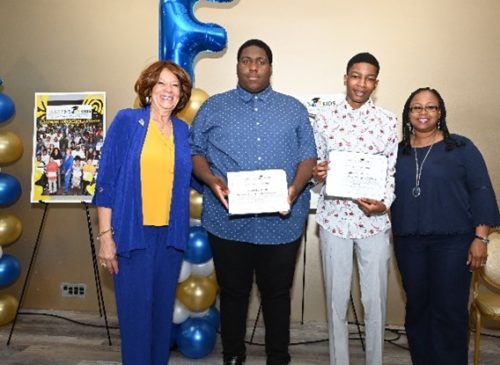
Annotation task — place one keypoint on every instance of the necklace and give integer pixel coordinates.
(418, 171)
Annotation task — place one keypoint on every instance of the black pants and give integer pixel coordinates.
(274, 267)
(436, 280)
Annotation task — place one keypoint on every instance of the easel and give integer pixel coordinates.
(100, 298)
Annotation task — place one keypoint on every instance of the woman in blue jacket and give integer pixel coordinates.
(444, 208)
(142, 195)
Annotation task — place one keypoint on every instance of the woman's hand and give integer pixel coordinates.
(478, 253)
(107, 253)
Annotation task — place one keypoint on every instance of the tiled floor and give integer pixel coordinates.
(46, 340)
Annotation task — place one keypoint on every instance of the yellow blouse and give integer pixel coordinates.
(157, 176)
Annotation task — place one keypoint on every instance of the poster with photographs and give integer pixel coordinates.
(314, 103)
(68, 135)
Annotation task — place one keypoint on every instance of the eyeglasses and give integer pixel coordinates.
(417, 109)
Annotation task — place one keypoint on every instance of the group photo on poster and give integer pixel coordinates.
(69, 130)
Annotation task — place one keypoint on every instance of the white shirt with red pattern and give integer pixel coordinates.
(368, 129)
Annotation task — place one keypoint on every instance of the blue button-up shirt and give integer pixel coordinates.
(241, 131)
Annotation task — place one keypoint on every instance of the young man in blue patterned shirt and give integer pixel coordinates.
(249, 128)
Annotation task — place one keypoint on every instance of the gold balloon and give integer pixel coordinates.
(213, 277)
(8, 308)
(198, 97)
(195, 204)
(11, 147)
(10, 229)
(197, 293)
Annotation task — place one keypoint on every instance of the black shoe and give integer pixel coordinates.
(234, 360)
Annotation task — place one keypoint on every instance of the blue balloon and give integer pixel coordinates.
(182, 36)
(212, 317)
(198, 248)
(7, 108)
(10, 269)
(196, 338)
(10, 189)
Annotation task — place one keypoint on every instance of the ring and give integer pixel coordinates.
(103, 264)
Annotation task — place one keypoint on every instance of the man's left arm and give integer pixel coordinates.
(302, 177)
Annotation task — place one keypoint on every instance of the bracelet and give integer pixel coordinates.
(104, 232)
(484, 240)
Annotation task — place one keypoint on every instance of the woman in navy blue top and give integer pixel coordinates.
(444, 208)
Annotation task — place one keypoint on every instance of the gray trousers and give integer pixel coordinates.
(373, 256)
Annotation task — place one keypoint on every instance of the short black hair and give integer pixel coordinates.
(363, 57)
(257, 43)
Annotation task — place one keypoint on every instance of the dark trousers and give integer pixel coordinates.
(274, 267)
(436, 280)
(145, 293)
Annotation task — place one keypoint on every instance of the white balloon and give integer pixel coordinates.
(181, 313)
(203, 269)
(185, 271)
(199, 314)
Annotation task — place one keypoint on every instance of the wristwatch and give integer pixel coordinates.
(483, 239)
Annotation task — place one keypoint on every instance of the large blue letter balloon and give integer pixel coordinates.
(7, 108)
(198, 248)
(9, 269)
(10, 189)
(182, 36)
(196, 338)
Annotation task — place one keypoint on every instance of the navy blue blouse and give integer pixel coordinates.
(456, 192)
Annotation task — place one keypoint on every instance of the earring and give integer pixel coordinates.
(148, 100)
(439, 124)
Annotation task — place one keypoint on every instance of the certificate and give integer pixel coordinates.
(356, 175)
(258, 191)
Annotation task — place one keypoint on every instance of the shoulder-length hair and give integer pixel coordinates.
(451, 142)
(150, 76)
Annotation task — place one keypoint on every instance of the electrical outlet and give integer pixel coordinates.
(72, 290)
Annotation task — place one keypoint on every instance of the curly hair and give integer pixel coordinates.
(150, 76)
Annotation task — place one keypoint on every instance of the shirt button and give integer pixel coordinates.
(258, 139)
(258, 123)
(256, 109)
(259, 158)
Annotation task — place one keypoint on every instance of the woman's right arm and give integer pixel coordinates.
(107, 247)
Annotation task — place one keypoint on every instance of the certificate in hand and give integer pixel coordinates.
(356, 175)
(258, 191)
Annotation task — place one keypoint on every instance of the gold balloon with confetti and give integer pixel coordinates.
(10, 229)
(8, 308)
(198, 97)
(197, 293)
(195, 204)
(11, 147)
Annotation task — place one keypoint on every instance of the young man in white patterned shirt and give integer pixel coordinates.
(357, 125)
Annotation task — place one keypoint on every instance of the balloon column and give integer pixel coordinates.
(196, 319)
(11, 149)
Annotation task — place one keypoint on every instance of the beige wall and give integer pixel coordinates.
(96, 45)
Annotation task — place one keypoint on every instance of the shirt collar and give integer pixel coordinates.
(246, 96)
(368, 105)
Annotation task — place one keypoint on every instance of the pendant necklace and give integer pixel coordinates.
(418, 171)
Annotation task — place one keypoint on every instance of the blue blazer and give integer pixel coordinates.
(118, 184)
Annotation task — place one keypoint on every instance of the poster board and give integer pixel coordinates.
(68, 134)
